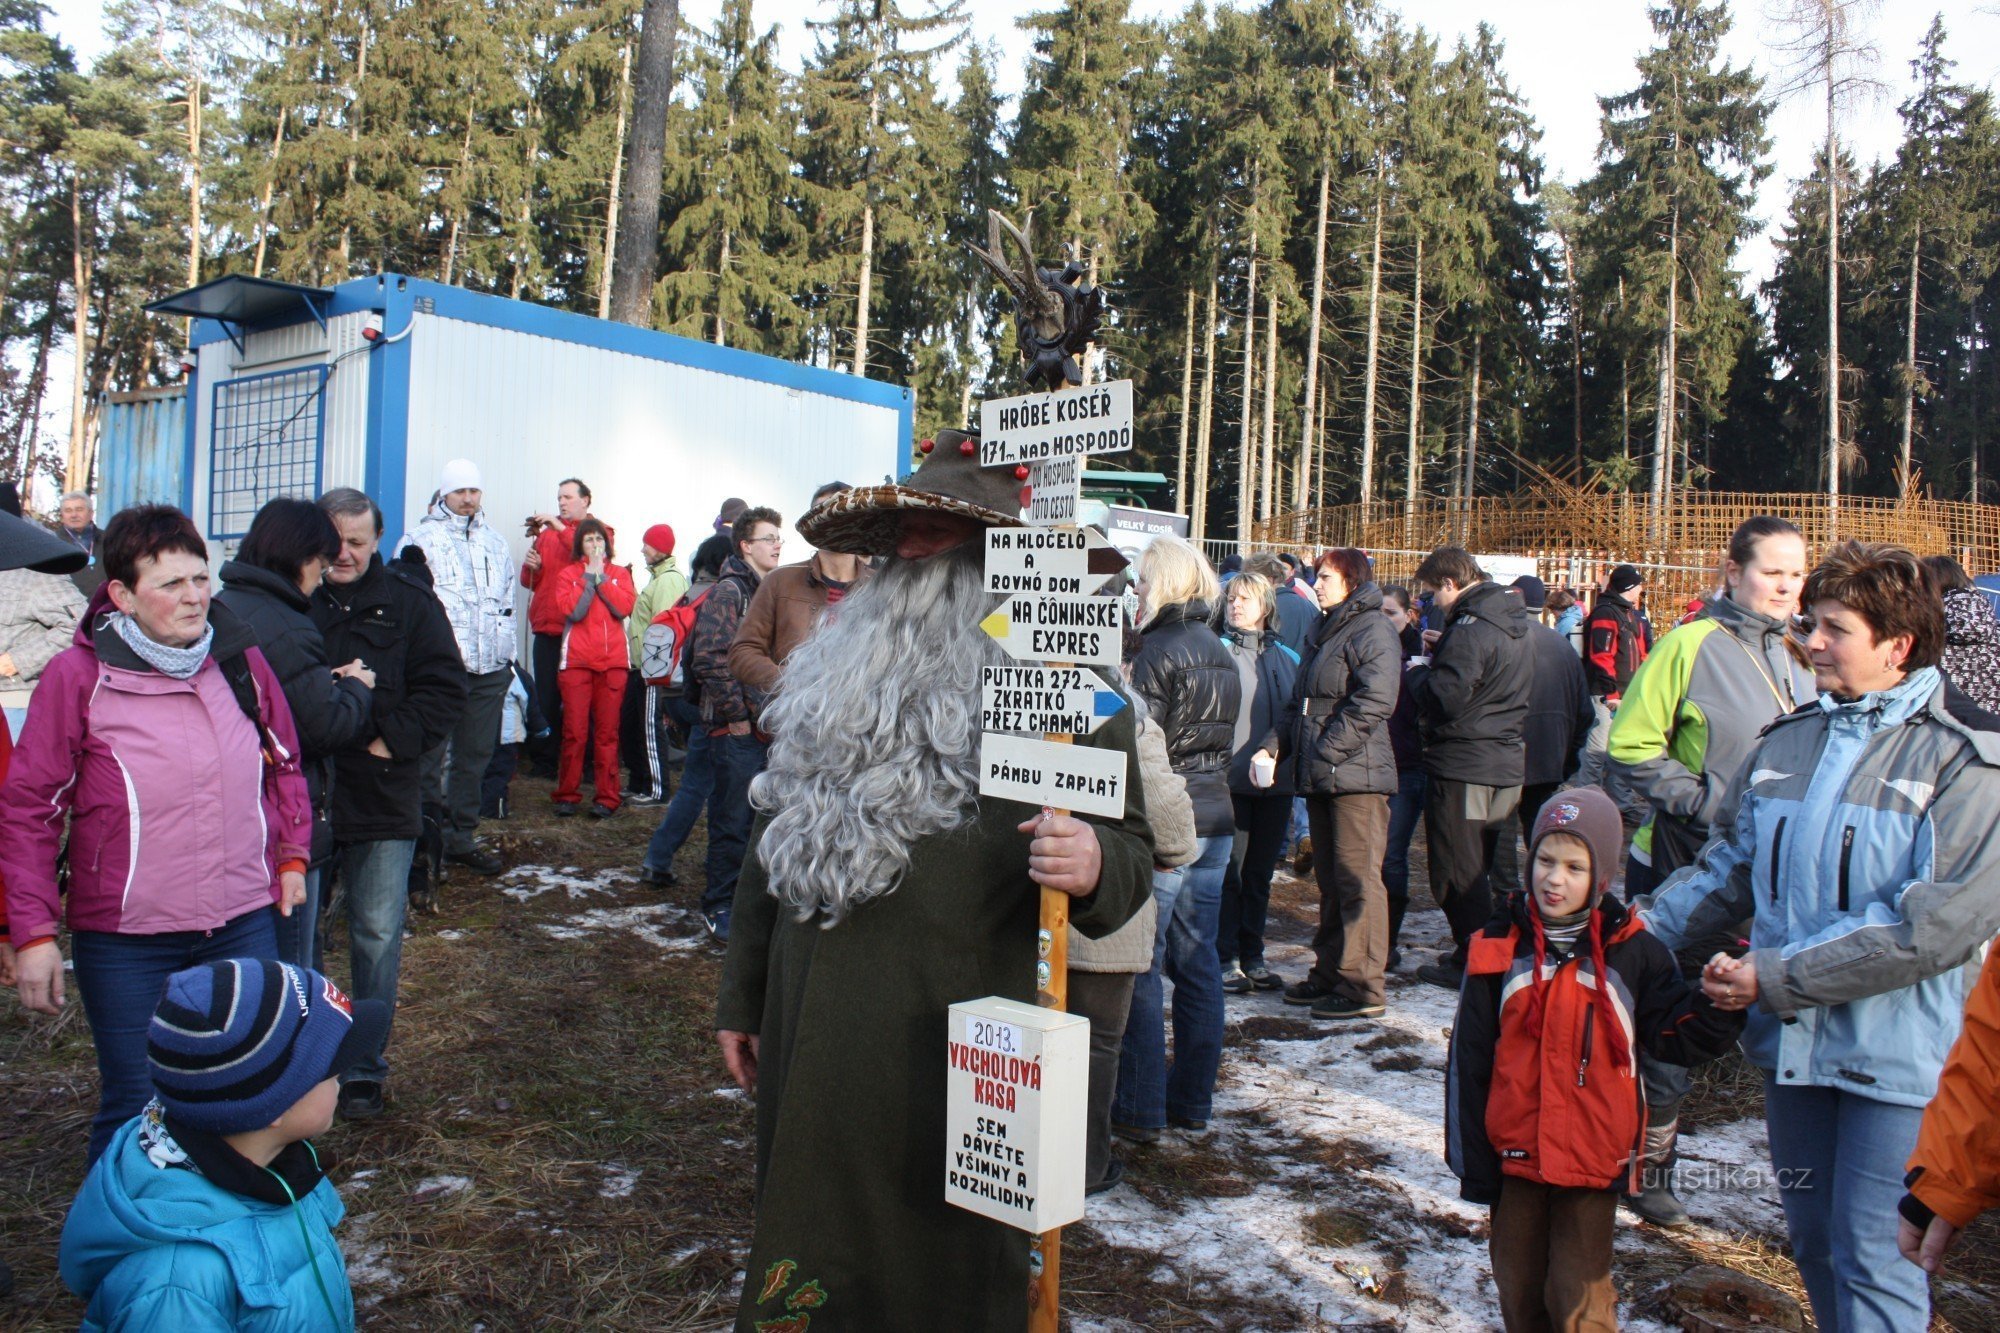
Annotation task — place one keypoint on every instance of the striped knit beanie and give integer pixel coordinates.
(236, 1044)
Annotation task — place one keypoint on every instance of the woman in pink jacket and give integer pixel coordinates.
(161, 738)
(594, 597)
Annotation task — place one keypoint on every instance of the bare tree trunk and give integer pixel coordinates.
(353, 151)
(270, 186)
(866, 294)
(1414, 464)
(1624, 386)
(1246, 458)
(194, 181)
(1198, 524)
(721, 267)
(27, 425)
(1187, 406)
(1309, 400)
(1663, 421)
(636, 257)
(1832, 302)
(1472, 420)
(617, 182)
(1374, 350)
(1268, 469)
(1575, 368)
(1910, 355)
(75, 474)
(464, 170)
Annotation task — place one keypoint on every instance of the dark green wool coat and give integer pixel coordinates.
(851, 1073)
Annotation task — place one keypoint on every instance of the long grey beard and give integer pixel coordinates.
(877, 734)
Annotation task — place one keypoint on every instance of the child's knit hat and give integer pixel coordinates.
(234, 1045)
(1586, 813)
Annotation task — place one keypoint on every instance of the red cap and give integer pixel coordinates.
(661, 538)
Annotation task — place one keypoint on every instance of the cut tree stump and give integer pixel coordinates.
(1708, 1299)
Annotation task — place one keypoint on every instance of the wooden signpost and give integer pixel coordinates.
(1014, 1151)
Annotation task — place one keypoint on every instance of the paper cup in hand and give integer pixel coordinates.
(1263, 769)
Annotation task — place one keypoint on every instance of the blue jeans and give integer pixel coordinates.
(378, 897)
(1840, 1160)
(1405, 808)
(1149, 1091)
(120, 977)
(697, 783)
(737, 760)
(298, 939)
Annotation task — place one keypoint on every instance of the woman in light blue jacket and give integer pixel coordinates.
(1866, 860)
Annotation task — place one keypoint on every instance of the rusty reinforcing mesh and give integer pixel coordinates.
(1573, 534)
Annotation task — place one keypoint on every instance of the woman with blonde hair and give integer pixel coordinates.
(1262, 799)
(1191, 688)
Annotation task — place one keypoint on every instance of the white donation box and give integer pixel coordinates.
(1015, 1112)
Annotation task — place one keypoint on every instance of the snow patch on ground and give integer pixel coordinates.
(619, 1181)
(654, 923)
(358, 1182)
(451, 934)
(1287, 1102)
(432, 1188)
(526, 883)
(368, 1269)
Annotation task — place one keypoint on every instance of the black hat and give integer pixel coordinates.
(1624, 578)
(1534, 592)
(25, 545)
(949, 480)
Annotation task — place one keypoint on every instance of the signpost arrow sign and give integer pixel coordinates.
(1063, 777)
(1061, 560)
(1045, 626)
(1037, 426)
(1045, 699)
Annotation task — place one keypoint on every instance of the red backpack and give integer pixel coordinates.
(663, 653)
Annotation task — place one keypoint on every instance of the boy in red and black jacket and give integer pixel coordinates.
(1544, 1115)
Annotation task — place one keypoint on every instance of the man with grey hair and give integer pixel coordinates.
(76, 524)
(880, 888)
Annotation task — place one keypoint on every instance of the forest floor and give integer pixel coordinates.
(563, 1149)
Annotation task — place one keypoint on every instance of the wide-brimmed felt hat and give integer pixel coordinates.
(949, 480)
(25, 545)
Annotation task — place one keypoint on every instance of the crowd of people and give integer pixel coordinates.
(1796, 788)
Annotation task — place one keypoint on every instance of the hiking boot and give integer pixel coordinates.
(1234, 982)
(565, 809)
(360, 1099)
(1395, 958)
(603, 811)
(1263, 978)
(480, 860)
(1302, 857)
(1306, 992)
(1136, 1133)
(1339, 1006)
(1189, 1128)
(657, 879)
(1657, 1203)
(1442, 973)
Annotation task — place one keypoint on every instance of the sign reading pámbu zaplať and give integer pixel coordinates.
(1041, 700)
(1016, 1083)
(1051, 773)
(1037, 426)
(1059, 628)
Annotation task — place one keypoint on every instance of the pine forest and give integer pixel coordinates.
(1339, 269)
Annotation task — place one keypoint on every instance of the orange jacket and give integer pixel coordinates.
(1955, 1171)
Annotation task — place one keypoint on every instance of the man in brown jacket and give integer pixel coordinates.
(787, 605)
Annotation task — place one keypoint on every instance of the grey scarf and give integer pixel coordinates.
(1564, 931)
(180, 663)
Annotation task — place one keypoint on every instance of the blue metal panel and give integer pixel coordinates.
(142, 452)
(388, 450)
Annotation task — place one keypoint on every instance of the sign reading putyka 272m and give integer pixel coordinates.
(1061, 700)
(1038, 426)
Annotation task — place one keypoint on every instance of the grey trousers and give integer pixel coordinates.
(453, 769)
(1597, 770)
(1105, 998)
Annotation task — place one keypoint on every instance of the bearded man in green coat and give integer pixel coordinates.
(881, 889)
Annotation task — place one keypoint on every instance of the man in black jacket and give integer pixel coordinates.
(1472, 705)
(1558, 724)
(386, 616)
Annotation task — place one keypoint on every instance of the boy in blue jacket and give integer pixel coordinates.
(210, 1210)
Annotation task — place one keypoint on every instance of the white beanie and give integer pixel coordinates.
(460, 474)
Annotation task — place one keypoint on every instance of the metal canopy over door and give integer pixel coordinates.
(265, 437)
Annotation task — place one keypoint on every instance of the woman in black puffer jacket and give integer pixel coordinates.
(1337, 746)
(1191, 688)
(269, 585)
